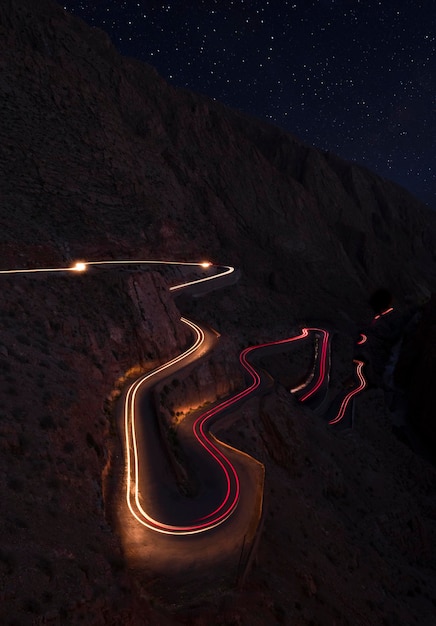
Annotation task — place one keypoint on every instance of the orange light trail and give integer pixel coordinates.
(232, 479)
(201, 425)
(200, 429)
(130, 434)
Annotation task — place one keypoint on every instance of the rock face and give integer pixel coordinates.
(101, 159)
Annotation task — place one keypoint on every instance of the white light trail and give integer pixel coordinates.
(81, 266)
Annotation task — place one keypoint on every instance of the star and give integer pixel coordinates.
(356, 78)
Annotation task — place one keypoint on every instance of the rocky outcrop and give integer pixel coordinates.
(157, 318)
(209, 381)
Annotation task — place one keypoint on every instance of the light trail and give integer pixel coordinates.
(42, 270)
(323, 370)
(130, 435)
(201, 422)
(228, 269)
(200, 430)
(233, 488)
(349, 396)
(385, 312)
(81, 266)
(201, 425)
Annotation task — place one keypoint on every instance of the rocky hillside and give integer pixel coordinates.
(100, 158)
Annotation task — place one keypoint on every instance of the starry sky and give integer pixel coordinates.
(357, 77)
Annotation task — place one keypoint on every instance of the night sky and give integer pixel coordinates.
(357, 77)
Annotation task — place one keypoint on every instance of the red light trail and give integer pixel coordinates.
(200, 429)
(349, 396)
(222, 510)
(319, 362)
(385, 312)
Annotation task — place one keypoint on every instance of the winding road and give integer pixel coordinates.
(152, 500)
(314, 389)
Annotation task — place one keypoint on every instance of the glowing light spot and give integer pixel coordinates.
(206, 264)
(79, 267)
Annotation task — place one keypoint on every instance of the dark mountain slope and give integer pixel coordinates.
(100, 153)
(100, 158)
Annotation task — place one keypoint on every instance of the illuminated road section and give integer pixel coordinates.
(133, 464)
(320, 373)
(201, 432)
(223, 509)
(78, 267)
(81, 266)
(226, 507)
(321, 367)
